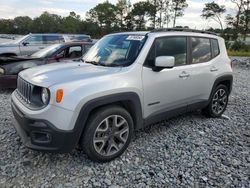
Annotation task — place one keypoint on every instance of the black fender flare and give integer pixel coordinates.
(220, 79)
(130, 97)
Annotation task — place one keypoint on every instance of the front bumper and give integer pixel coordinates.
(41, 135)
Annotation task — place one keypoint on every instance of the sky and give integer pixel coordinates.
(33, 8)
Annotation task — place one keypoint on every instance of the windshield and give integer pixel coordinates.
(46, 52)
(115, 50)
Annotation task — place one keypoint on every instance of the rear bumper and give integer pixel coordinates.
(8, 81)
(41, 135)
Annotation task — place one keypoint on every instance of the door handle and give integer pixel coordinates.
(41, 47)
(184, 75)
(213, 69)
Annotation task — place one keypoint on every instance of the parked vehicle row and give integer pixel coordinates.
(32, 43)
(11, 66)
(124, 82)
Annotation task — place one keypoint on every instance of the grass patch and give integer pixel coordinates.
(238, 53)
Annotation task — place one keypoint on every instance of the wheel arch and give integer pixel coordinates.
(226, 80)
(128, 100)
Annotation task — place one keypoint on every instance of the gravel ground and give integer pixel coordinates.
(186, 151)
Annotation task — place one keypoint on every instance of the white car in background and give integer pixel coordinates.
(32, 43)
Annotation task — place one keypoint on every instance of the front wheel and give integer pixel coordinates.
(218, 102)
(108, 133)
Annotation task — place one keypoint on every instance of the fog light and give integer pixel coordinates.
(38, 124)
(41, 137)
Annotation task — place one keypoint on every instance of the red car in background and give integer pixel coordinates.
(11, 66)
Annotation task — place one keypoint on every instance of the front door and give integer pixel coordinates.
(168, 89)
(32, 44)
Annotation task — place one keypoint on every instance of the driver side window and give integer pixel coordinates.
(168, 46)
(34, 40)
(61, 54)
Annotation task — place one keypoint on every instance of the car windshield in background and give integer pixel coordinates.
(46, 52)
(115, 50)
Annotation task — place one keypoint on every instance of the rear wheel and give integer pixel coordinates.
(108, 133)
(218, 102)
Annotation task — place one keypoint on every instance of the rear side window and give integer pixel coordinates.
(201, 50)
(53, 39)
(215, 47)
(169, 46)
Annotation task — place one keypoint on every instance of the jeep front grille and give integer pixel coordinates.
(24, 89)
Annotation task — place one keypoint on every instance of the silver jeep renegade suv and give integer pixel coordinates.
(125, 82)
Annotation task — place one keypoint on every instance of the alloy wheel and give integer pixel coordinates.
(111, 135)
(219, 101)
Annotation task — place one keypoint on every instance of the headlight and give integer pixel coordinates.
(1, 71)
(45, 96)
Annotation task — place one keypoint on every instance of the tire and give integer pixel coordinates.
(218, 102)
(107, 134)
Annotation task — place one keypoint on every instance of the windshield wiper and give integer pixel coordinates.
(92, 62)
(95, 63)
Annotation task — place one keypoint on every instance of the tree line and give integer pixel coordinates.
(236, 24)
(123, 16)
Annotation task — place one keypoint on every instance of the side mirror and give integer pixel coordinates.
(25, 43)
(162, 62)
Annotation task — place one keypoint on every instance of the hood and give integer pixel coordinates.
(15, 67)
(13, 59)
(57, 73)
(7, 44)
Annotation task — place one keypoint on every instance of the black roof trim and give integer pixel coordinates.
(183, 30)
(68, 34)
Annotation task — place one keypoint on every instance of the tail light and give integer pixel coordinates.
(232, 62)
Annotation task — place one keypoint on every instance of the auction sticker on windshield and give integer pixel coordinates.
(135, 37)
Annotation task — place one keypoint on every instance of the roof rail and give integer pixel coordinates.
(182, 29)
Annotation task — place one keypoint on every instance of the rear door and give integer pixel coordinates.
(202, 69)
